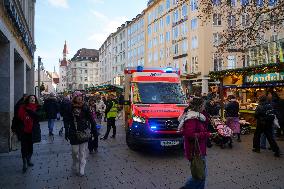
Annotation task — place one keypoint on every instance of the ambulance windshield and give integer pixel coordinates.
(157, 93)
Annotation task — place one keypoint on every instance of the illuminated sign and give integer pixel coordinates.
(268, 77)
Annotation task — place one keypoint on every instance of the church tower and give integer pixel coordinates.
(63, 64)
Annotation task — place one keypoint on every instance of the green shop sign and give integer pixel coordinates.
(262, 78)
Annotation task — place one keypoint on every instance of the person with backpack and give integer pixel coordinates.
(265, 116)
(193, 125)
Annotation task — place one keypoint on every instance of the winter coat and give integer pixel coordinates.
(212, 110)
(279, 110)
(65, 108)
(100, 106)
(263, 115)
(83, 117)
(29, 115)
(194, 125)
(17, 124)
(232, 109)
(51, 107)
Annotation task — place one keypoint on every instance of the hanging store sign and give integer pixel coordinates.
(20, 26)
(262, 78)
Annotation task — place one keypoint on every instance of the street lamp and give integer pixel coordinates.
(39, 67)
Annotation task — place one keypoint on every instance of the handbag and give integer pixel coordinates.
(81, 136)
(36, 133)
(197, 165)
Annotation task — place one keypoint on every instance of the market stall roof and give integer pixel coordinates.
(264, 68)
(105, 88)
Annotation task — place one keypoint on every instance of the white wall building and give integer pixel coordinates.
(49, 80)
(105, 56)
(119, 55)
(135, 43)
(82, 71)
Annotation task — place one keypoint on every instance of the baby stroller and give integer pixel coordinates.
(223, 134)
(244, 126)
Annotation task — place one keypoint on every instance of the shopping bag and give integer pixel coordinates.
(276, 122)
(197, 165)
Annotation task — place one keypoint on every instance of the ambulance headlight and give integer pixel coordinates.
(139, 119)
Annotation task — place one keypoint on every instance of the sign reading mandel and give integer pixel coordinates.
(268, 77)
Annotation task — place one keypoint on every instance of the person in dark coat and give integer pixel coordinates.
(211, 106)
(93, 141)
(29, 115)
(65, 111)
(232, 116)
(51, 107)
(16, 122)
(264, 117)
(80, 121)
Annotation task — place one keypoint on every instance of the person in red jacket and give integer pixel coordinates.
(193, 124)
(29, 117)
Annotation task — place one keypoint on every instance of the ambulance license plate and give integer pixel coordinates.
(169, 143)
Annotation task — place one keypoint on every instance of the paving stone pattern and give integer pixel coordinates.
(115, 166)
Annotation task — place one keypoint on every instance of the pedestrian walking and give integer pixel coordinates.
(93, 141)
(100, 108)
(79, 132)
(111, 112)
(65, 111)
(193, 126)
(51, 107)
(30, 132)
(232, 115)
(17, 124)
(265, 117)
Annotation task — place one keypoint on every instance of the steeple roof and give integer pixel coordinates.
(65, 50)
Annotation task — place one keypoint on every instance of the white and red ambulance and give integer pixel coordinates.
(153, 102)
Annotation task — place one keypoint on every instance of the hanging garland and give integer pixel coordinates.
(265, 68)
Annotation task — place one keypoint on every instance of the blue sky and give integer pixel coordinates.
(82, 23)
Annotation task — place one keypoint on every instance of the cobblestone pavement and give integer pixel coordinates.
(115, 166)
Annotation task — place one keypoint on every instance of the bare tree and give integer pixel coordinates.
(247, 21)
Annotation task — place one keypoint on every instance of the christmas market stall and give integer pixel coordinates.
(248, 84)
(105, 90)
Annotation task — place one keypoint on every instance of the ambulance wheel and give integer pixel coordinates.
(130, 143)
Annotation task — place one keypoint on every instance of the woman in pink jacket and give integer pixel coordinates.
(193, 123)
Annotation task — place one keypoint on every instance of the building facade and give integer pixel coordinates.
(63, 64)
(119, 55)
(105, 56)
(17, 49)
(83, 70)
(50, 81)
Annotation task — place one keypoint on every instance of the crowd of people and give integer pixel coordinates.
(197, 129)
(81, 116)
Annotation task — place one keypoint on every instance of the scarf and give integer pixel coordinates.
(190, 115)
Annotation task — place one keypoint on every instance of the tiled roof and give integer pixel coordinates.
(86, 54)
